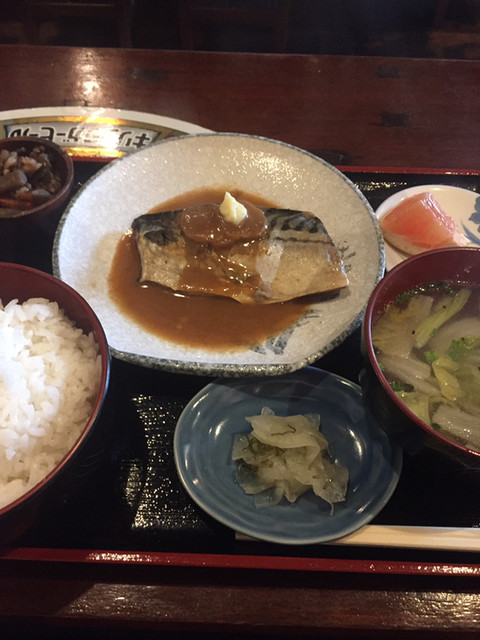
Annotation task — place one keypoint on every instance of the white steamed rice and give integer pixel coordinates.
(49, 378)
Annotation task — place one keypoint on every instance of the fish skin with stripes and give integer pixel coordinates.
(294, 257)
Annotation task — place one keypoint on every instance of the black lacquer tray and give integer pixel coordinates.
(133, 508)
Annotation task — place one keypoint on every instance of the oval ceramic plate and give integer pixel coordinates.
(462, 205)
(94, 132)
(203, 447)
(104, 209)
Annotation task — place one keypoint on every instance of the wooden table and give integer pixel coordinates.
(370, 112)
(354, 111)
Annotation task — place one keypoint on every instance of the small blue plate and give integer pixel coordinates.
(203, 448)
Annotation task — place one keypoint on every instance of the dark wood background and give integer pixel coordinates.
(353, 111)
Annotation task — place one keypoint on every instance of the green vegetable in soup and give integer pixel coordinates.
(468, 376)
(394, 332)
(418, 403)
(463, 346)
(434, 321)
(399, 387)
(444, 369)
(410, 370)
(429, 350)
(423, 288)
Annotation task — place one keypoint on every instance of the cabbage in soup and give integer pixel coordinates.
(427, 344)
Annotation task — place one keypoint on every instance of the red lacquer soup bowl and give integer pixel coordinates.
(454, 266)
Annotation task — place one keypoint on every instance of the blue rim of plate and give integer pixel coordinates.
(203, 445)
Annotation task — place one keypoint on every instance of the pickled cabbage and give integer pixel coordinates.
(283, 457)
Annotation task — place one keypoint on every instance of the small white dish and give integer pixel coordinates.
(203, 445)
(104, 208)
(462, 205)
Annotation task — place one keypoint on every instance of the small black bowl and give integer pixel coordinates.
(21, 234)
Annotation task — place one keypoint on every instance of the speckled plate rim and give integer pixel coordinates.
(200, 367)
(449, 197)
(205, 432)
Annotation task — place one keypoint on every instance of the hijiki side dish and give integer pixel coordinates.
(27, 179)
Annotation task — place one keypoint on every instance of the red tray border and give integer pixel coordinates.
(230, 561)
(254, 562)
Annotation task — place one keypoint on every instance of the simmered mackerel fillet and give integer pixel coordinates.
(292, 256)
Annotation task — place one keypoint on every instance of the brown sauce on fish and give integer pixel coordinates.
(205, 322)
(209, 239)
(204, 223)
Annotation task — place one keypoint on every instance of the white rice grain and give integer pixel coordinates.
(49, 378)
